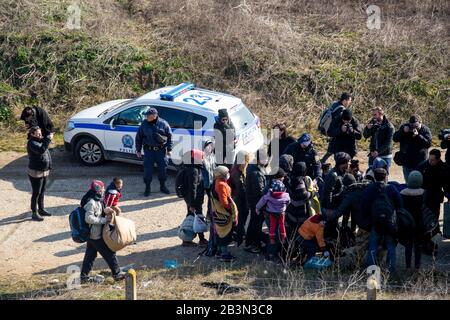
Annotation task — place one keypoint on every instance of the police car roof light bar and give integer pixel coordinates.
(177, 91)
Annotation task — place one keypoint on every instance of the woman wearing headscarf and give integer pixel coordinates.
(95, 217)
(225, 213)
(224, 136)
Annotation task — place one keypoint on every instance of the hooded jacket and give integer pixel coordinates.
(414, 148)
(275, 202)
(41, 119)
(38, 154)
(255, 182)
(307, 155)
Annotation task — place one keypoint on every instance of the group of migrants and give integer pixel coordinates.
(307, 206)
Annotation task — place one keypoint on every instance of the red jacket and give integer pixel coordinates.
(112, 196)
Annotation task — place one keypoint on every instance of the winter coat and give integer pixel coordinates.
(237, 184)
(332, 189)
(307, 155)
(195, 191)
(112, 195)
(381, 137)
(283, 143)
(344, 141)
(255, 183)
(42, 120)
(310, 230)
(146, 135)
(93, 217)
(220, 138)
(209, 164)
(275, 202)
(413, 200)
(38, 154)
(445, 144)
(434, 181)
(371, 192)
(415, 149)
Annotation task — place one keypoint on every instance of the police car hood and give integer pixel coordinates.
(96, 111)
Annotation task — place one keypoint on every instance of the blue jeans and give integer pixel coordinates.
(406, 172)
(308, 246)
(150, 157)
(375, 239)
(387, 159)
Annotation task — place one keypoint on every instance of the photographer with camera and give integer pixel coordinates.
(415, 139)
(380, 131)
(345, 130)
(444, 136)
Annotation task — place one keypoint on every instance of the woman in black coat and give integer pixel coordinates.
(39, 166)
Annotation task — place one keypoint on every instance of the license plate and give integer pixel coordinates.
(248, 137)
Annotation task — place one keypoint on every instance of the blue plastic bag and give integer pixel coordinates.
(318, 263)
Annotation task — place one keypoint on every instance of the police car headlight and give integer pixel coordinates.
(70, 126)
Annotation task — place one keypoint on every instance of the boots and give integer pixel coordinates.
(44, 213)
(164, 188)
(36, 216)
(147, 190)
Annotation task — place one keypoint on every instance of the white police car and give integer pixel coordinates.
(107, 131)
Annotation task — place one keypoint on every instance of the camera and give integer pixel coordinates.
(375, 124)
(443, 135)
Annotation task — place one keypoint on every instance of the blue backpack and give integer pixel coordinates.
(79, 229)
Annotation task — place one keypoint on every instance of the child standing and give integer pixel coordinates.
(276, 201)
(113, 194)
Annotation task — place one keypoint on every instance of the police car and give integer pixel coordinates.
(108, 131)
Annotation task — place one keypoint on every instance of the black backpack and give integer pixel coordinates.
(384, 216)
(406, 226)
(180, 183)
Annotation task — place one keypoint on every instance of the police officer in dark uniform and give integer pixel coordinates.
(155, 137)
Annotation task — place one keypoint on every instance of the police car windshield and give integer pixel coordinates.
(242, 117)
(114, 107)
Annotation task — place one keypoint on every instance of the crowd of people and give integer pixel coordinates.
(307, 205)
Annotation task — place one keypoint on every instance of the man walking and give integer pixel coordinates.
(155, 137)
(380, 131)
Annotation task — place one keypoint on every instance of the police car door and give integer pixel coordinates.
(121, 135)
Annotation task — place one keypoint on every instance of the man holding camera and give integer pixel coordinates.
(380, 131)
(345, 130)
(415, 139)
(444, 136)
(155, 136)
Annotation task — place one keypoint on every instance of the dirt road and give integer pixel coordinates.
(28, 247)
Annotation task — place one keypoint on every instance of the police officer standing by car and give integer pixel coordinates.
(155, 137)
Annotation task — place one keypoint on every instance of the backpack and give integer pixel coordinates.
(79, 229)
(180, 183)
(327, 117)
(383, 213)
(406, 226)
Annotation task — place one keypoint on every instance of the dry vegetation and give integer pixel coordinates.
(286, 59)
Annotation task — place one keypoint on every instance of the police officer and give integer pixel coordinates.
(155, 136)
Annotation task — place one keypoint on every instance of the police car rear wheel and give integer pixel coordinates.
(89, 152)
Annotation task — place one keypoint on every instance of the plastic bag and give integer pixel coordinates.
(200, 224)
(186, 230)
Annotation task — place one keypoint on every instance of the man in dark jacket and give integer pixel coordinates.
(36, 116)
(224, 136)
(332, 191)
(39, 166)
(435, 173)
(155, 136)
(370, 194)
(445, 144)
(303, 151)
(194, 190)
(380, 131)
(283, 141)
(344, 131)
(255, 182)
(415, 139)
(337, 108)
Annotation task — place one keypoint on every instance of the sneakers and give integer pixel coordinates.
(120, 276)
(228, 258)
(44, 213)
(36, 217)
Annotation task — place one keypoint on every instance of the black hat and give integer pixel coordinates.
(341, 158)
(223, 113)
(348, 180)
(347, 115)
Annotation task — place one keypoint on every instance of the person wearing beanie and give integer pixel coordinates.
(303, 151)
(225, 212)
(255, 182)
(283, 141)
(224, 136)
(345, 131)
(377, 235)
(154, 136)
(194, 191)
(413, 199)
(380, 131)
(92, 202)
(333, 188)
(415, 139)
(377, 163)
(275, 202)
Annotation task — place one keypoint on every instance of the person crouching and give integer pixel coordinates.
(311, 236)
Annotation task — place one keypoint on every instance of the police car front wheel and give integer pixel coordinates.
(89, 152)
